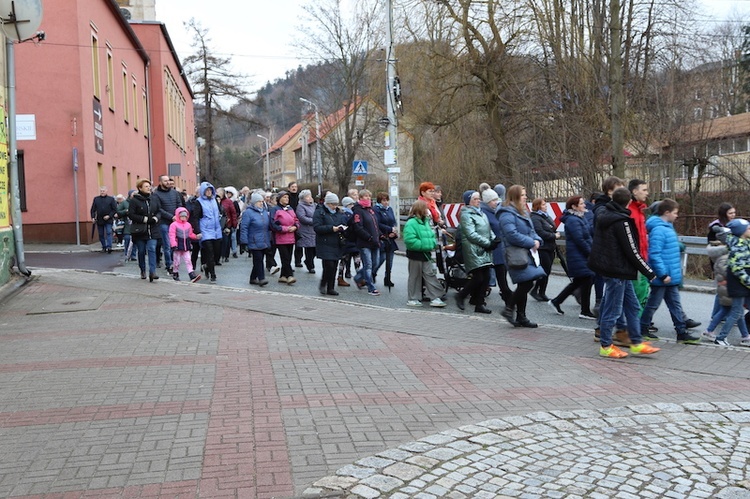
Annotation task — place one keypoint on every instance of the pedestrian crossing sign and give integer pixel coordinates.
(359, 167)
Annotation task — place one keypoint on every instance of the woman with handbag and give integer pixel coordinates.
(578, 242)
(520, 240)
(477, 242)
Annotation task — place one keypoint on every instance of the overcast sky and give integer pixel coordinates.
(258, 34)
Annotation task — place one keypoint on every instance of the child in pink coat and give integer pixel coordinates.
(180, 235)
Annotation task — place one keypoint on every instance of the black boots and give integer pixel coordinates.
(523, 321)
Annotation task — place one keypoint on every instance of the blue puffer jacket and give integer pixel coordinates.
(518, 230)
(498, 255)
(663, 252)
(210, 223)
(577, 244)
(255, 228)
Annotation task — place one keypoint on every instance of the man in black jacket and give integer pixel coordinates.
(615, 256)
(103, 210)
(169, 200)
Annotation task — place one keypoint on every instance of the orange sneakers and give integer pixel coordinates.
(644, 348)
(612, 352)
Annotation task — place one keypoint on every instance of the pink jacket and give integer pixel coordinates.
(282, 220)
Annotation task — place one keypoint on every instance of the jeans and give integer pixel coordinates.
(146, 246)
(735, 314)
(365, 272)
(165, 248)
(619, 297)
(105, 235)
(720, 315)
(671, 295)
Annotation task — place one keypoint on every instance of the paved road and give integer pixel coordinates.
(112, 386)
(236, 272)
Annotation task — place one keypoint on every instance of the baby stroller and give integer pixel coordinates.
(454, 274)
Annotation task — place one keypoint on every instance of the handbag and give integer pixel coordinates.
(137, 229)
(516, 257)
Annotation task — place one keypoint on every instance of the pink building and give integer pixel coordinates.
(96, 105)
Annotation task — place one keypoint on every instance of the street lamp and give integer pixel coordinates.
(267, 163)
(317, 146)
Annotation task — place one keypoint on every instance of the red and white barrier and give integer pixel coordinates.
(452, 213)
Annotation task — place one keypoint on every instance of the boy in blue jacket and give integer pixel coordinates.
(664, 258)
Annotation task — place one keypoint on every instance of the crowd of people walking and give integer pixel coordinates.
(627, 252)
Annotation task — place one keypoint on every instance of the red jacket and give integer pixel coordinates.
(638, 214)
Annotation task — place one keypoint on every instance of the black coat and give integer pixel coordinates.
(365, 225)
(545, 228)
(103, 206)
(614, 252)
(169, 201)
(329, 245)
(144, 212)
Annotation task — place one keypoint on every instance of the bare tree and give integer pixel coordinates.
(217, 86)
(345, 41)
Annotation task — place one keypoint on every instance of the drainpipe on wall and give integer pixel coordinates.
(148, 124)
(13, 157)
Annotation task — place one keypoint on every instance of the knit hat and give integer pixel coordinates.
(255, 197)
(488, 195)
(332, 198)
(500, 189)
(467, 196)
(347, 201)
(738, 226)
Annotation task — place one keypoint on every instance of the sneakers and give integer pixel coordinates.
(283, 279)
(620, 338)
(274, 270)
(176, 276)
(723, 343)
(709, 335)
(588, 316)
(556, 306)
(290, 280)
(649, 336)
(374, 292)
(437, 302)
(688, 339)
(643, 349)
(745, 342)
(612, 352)
(415, 303)
(194, 277)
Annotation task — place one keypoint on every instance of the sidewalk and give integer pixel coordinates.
(116, 387)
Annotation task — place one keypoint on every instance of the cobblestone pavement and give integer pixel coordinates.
(658, 450)
(111, 386)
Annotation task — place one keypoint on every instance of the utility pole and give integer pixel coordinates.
(390, 154)
(267, 163)
(318, 159)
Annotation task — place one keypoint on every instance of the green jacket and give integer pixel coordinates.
(419, 239)
(476, 238)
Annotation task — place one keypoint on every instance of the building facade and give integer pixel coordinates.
(98, 108)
